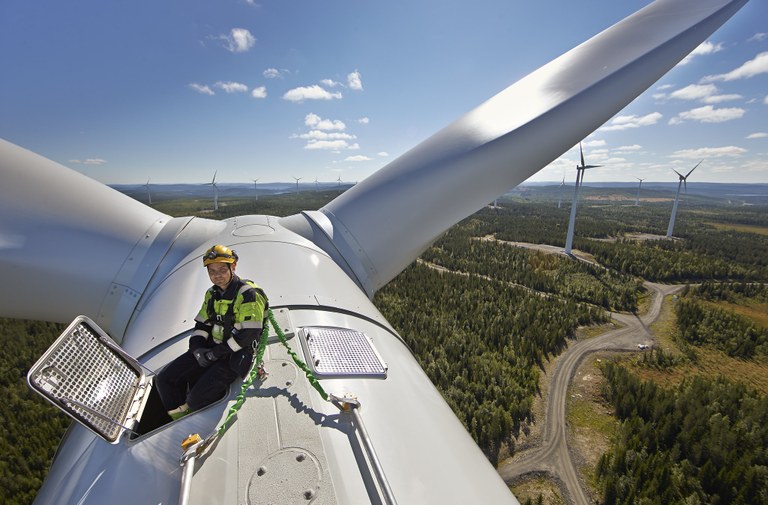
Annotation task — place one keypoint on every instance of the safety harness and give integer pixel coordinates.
(227, 320)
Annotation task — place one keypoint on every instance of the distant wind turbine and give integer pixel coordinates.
(149, 195)
(579, 179)
(315, 184)
(338, 180)
(215, 191)
(560, 193)
(297, 183)
(681, 182)
(637, 199)
(256, 188)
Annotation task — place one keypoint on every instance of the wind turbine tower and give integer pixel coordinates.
(681, 182)
(149, 195)
(572, 221)
(255, 188)
(215, 191)
(637, 198)
(297, 183)
(560, 193)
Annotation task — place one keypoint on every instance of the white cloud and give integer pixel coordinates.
(232, 87)
(273, 73)
(627, 122)
(708, 152)
(722, 98)
(359, 157)
(383, 154)
(354, 81)
(708, 114)
(239, 40)
(765, 100)
(321, 135)
(757, 135)
(314, 92)
(260, 92)
(202, 89)
(627, 149)
(326, 134)
(331, 145)
(694, 92)
(758, 37)
(594, 143)
(704, 48)
(757, 65)
(664, 86)
(363, 120)
(329, 83)
(318, 123)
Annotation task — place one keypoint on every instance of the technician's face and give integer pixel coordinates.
(220, 274)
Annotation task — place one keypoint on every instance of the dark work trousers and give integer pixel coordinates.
(183, 380)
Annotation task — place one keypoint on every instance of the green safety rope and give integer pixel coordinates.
(257, 371)
(310, 376)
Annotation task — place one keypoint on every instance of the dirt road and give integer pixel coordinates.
(553, 456)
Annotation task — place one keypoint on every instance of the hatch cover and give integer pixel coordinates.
(86, 375)
(341, 352)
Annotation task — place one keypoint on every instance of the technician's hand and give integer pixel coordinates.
(203, 356)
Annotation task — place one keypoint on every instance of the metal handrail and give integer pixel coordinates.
(389, 497)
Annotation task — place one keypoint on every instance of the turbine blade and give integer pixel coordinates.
(582, 154)
(528, 125)
(694, 168)
(73, 245)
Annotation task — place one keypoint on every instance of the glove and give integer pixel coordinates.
(204, 357)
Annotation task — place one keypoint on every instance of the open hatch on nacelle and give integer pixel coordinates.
(90, 378)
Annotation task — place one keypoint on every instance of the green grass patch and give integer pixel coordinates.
(644, 300)
(744, 228)
(532, 488)
(595, 330)
(665, 327)
(590, 420)
(757, 312)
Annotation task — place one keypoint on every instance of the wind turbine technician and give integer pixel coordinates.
(230, 321)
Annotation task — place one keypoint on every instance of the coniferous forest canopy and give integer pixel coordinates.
(483, 317)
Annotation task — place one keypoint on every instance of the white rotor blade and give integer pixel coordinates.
(383, 223)
(70, 245)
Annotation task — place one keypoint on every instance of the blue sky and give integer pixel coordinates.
(173, 91)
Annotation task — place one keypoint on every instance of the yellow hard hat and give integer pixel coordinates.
(219, 254)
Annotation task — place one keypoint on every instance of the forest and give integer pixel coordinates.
(484, 361)
(701, 442)
(704, 440)
(31, 428)
(483, 317)
(701, 323)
